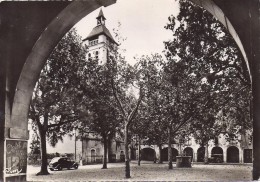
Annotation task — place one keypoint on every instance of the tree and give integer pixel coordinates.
(149, 123)
(55, 99)
(105, 120)
(122, 79)
(202, 42)
(213, 57)
(171, 98)
(181, 98)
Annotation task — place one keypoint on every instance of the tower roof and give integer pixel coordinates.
(99, 30)
(101, 14)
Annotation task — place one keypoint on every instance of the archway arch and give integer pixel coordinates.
(25, 85)
(66, 19)
(201, 154)
(233, 154)
(148, 154)
(42, 48)
(188, 151)
(217, 154)
(165, 154)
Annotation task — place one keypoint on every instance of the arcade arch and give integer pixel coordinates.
(232, 154)
(148, 154)
(188, 151)
(201, 154)
(165, 154)
(217, 154)
(67, 18)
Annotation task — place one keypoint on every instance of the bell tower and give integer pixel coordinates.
(99, 41)
(101, 18)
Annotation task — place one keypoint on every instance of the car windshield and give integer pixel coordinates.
(55, 159)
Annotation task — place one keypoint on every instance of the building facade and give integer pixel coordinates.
(222, 151)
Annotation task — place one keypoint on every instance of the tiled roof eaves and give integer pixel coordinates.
(98, 30)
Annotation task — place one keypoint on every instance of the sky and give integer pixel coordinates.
(142, 23)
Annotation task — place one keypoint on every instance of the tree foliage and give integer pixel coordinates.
(203, 44)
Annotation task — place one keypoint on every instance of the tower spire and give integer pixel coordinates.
(101, 18)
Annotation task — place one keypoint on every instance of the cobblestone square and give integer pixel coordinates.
(148, 172)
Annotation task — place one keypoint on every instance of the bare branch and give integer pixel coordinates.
(117, 98)
(133, 113)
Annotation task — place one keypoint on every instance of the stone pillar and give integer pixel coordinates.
(13, 133)
(2, 115)
(254, 12)
(241, 154)
(225, 155)
(195, 157)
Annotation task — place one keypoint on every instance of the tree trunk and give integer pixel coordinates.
(160, 154)
(206, 158)
(44, 163)
(169, 149)
(139, 151)
(154, 157)
(109, 150)
(127, 162)
(105, 152)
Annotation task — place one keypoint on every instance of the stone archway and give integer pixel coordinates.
(233, 154)
(148, 154)
(20, 72)
(165, 154)
(188, 151)
(217, 155)
(32, 30)
(201, 154)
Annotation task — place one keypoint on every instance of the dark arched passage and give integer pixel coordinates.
(148, 154)
(165, 154)
(188, 151)
(201, 154)
(217, 155)
(232, 154)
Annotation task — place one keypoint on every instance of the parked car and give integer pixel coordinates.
(58, 163)
(216, 158)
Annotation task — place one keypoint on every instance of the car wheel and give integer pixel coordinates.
(59, 168)
(76, 166)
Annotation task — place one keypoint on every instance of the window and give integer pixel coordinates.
(96, 54)
(93, 42)
(89, 56)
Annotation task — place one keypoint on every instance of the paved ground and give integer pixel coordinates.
(148, 172)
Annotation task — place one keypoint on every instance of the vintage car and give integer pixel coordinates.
(58, 163)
